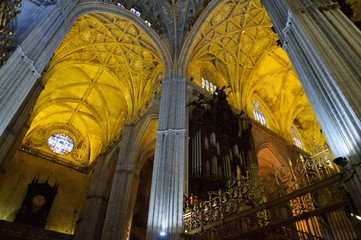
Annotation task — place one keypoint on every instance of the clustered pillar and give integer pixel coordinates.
(166, 200)
(324, 49)
(120, 203)
(20, 82)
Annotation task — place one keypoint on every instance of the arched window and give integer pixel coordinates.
(135, 11)
(120, 5)
(157, 79)
(208, 86)
(148, 23)
(296, 138)
(258, 115)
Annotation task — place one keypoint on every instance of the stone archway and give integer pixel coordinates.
(25, 62)
(273, 165)
(59, 73)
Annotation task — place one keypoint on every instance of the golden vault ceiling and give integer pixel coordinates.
(104, 70)
(236, 47)
(101, 74)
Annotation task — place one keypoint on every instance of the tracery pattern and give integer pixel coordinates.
(103, 70)
(233, 41)
(175, 16)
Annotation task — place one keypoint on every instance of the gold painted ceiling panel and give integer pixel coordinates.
(233, 40)
(236, 47)
(101, 74)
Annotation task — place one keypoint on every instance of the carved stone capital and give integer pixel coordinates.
(169, 80)
(172, 131)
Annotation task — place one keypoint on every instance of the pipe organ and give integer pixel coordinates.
(216, 149)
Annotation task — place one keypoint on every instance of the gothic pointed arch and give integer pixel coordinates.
(274, 168)
(102, 74)
(235, 42)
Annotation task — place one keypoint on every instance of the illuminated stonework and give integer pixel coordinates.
(231, 44)
(238, 49)
(60, 143)
(101, 73)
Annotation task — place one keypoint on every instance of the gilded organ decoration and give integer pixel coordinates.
(216, 149)
(101, 75)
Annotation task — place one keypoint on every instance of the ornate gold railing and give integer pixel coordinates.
(302, 172)
(300, 209)
(8, 12)
(305, 198)
(242, 194)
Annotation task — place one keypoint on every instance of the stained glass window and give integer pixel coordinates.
(120, 5)
(133, 10)
(60, 143)
(208, 86)
(258, 115)
(296, 138)
(148, 23)
(203, 83)
(158, 78)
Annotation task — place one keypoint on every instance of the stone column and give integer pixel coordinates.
(14, 133)
(90, 222)
(166, 199)
(120, 205)
(24, 67)
(325, 51)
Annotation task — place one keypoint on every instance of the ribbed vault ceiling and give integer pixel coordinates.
(102, 73)
(236, 47)
(232, 42)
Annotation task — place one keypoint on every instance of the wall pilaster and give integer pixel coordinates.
(324, 49)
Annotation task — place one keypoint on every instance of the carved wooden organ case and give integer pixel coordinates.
(217, 144)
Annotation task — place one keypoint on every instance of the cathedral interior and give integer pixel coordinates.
(180, 119)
